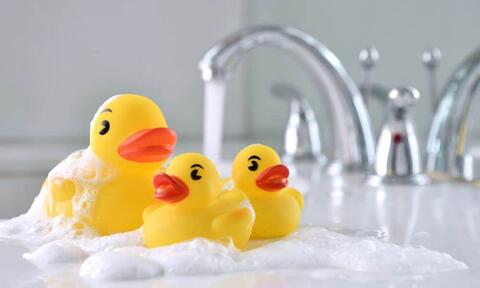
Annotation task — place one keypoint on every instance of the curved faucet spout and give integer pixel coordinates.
(446, 141)
(352, 133)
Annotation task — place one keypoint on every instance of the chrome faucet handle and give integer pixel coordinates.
(398, 156)
(302, 137)
(431, 58)
(368, 58)
(403, 97)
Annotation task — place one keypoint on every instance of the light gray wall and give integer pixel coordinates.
(59, 60)
(399, 29)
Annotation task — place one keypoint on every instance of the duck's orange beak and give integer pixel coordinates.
(149, 145)
(273, 179)
(169, 188)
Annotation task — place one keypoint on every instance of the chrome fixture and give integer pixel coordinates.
(368, 57)
(446, 141)
(431, 58)
(302, 137)
(398, 156)
(352, 134)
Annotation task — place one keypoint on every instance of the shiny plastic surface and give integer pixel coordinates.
(191, 204)
(258, 172)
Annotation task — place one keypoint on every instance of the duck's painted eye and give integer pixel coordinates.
(253, 162)
(253, 165)
(194, 175)
(106, 127)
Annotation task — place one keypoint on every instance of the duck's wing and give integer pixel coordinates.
(236, 224)
(297, 195)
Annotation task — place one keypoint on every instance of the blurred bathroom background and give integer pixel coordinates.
(59, 60)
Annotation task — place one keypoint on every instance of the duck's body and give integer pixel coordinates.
(106, 200)
(203, 210)
(115, 212)
(108, 186)
(277, 214)
(257, 171)
(220, 221)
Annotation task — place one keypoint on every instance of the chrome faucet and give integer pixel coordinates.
(352, 133)
(302, 136)
(446, 141)
(398, 157)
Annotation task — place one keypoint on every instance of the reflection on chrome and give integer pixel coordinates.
(446, 141)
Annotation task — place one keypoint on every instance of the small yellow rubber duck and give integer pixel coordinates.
(108, 191)
(192, 204)
(258, 172)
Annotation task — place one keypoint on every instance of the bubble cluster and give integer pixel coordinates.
(88, 173)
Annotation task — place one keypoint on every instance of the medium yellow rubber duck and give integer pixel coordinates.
(258, 172)
(191, 204)
(108, 185)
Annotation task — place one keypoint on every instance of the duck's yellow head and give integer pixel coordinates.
(258, 168)
(129, 132)
(191, 179)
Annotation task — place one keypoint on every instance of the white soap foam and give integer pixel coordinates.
(106, 243)
(88, 172)
(309, 248)
(34, 228)
(114, 266)
(56, 252)
(316, 247)
(199, 256)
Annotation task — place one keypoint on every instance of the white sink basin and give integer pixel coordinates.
(443, 216)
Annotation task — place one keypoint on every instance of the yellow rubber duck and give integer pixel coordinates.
(191, 204)
(258, 172)
(108, 191)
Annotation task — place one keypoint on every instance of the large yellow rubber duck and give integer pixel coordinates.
(108, 185)
(191, 204)
(258, 172)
